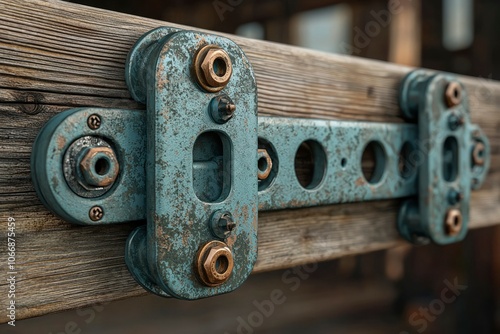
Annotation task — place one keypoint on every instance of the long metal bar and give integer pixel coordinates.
(337, 149)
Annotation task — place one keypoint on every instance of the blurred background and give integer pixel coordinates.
(453, 289)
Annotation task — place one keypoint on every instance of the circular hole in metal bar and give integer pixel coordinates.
(373, 162)
(310, 164)
(102, 166)
(406, 165)
(450, 159)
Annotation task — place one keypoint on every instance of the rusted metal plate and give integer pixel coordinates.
(197, 165)
(454, 158)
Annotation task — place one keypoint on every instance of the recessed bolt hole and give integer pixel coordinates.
(102, 166)
(220, 67)
(343, 162)
(310, 164)
(221, 264)
(373, 162)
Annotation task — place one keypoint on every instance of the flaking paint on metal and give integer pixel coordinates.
(177, 114)
(127, 197)
(433, 125)
(182, 118)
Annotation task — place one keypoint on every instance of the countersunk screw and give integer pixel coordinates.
(222, 109)
(453, 94)
(94, 122)
(222, 224)
(96, 213)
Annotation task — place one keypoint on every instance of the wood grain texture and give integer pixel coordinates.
(55, 55)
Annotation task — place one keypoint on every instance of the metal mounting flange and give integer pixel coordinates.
(452, 157)
(196, 164)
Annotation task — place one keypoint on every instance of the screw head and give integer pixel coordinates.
(454, 122)
(94, 122)
(226, 222)
(214, 263)
(264, 164)
(213, 68)
(96, 213)
(453, 94)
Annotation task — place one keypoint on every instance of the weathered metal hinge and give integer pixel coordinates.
(199, 164)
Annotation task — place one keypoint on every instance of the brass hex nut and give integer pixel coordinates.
(453, 222)
(213, 68)
(99, 167)
(453, 94)
(214, 263)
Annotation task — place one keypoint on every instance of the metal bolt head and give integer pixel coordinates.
(453, 94)
(94, 122)
(478, 154)
(96, 213)
(453, 222)
(213, 68)
(214, 263)
(222, 109)
(222, 224)
(99, 167)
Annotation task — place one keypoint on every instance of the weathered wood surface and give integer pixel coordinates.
(55, 55)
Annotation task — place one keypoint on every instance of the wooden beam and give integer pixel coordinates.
(55, 55)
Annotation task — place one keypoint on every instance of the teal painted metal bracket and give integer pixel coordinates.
(452, 156)
(199, 164)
